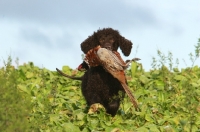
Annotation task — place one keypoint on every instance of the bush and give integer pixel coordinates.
(35, 99)
(14, 107)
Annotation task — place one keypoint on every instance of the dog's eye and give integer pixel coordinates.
(102, 40)
(111, 40)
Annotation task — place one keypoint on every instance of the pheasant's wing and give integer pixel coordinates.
(117, 58)
(109, 60)
(115, 65)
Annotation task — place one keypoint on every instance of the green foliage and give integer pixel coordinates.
(35, 99)
(14, 107)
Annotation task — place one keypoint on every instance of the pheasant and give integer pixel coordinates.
(112, 63)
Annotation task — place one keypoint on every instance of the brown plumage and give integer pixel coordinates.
(112, 63)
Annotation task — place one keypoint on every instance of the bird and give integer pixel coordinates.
(112, 63)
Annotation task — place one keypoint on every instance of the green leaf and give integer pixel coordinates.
(144, 79)
(161, 121)
(148, 118)
(54, 117)
(133, 68)
(195, 85)
(23, 88)
(175, 70)
(153, 128)
(66, 69)
(159, 85)
(69, 127)
(142, 129)
(29, 74)
(179, 78)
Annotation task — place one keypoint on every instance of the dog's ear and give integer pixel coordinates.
(89, 43)
(125, 45)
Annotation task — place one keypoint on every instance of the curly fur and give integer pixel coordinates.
(99, 86)
(93, 41)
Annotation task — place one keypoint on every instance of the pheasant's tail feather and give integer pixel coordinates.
(130, 95)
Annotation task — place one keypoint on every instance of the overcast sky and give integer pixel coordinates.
(49, 32)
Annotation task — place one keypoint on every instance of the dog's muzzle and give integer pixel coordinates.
(108, 46)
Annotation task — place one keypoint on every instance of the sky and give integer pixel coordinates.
(49, 33)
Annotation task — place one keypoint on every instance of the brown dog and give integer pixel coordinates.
(99, 86)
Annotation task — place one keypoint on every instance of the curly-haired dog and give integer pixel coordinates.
(99, 86)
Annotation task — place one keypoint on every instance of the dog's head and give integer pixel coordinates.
(107, 38)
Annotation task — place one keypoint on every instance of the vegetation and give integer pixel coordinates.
(35, 99)
(15, 105)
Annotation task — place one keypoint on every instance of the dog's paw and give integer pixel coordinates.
(94, 108)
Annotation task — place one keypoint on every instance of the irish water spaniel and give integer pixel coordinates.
(99, 86)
